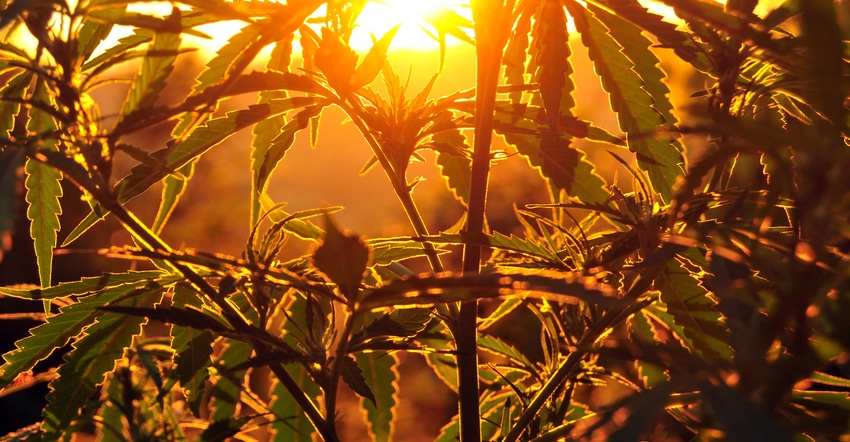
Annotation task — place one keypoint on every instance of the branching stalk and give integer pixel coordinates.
(400, 187)
(572, 362)
(154, 243)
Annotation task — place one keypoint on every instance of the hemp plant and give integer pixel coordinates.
(712, 293)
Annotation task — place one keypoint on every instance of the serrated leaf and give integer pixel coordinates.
(185, 317)
(291, 422)
(498, 347)
(156, 66)
(553, 51)
(381, 375)
(342, 257)
(505, 307)
(374, 60)
(666, 33)
(228, 385)
(44, 188)
(630, 101)
(691, 313)
(192, 351)
(94, 355)
(516, 53)
(278, 146)
(401, 323)
(125, 44)
(70, 321)
(266, 130)
(640, 330)
(491, 411)
(828, 379)
(352, 374)
(562, 165)
(110, 412)
(217, 69)
(456, 171)
(83, 286)
(388, 253)
(172, 189)
(212, 133)
(646, 63)
(9, 108)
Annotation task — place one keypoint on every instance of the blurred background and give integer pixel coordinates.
(213, 214)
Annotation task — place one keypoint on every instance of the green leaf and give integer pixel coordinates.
(381, 375)
(342, 257)
(125, 44)
(266, 130)
(192, 351)
(70, 321)
(666, 33)
(372, 63)
(646, 63)
(553, 68)
(228, 384)
(641, 330)
(111, 426)
(43, 189)
(93, 355)
(456, 171)
(83, 286)
(352, 374)
(185, 317)
(498, 347)
(633, 105)
(278, 146)
(828, 379)
(515, 55)
(562, 165)
(291, 424)
(156, 66)
(43, 192)
(691, 313)
(172, 190)
(9, 108)
(216, 70)
(213, 132)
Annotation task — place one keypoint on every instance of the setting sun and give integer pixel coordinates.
(416, 17)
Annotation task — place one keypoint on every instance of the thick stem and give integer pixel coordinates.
(489, 17)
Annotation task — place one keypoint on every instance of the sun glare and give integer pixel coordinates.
(414, 15)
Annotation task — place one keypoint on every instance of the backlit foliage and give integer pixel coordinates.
(713, 291)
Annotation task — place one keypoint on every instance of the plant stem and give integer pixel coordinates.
(336, 367)
(489, 18)
(572, 362)
(400, 187)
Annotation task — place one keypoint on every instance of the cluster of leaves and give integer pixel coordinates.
(717, 301)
